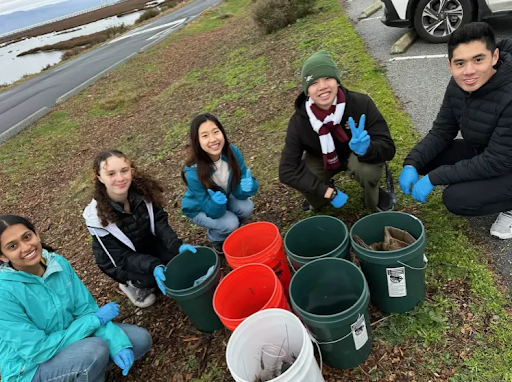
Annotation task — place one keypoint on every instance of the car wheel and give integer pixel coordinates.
(436, 20)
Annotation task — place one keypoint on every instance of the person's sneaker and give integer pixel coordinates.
(141, 297)
(385, 201)
(306, 207)
(502, 227)
(217, 247)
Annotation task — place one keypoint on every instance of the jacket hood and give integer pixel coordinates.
(7, 273)
(90, 215)
(300, 105)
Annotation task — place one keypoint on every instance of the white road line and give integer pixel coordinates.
(128, 35)
(418, 57)
(371, 18)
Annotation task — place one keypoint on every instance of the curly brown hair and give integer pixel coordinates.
(142, 183)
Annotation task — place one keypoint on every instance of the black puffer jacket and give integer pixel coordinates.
(484, 119)
(301, 137)
(124, 263)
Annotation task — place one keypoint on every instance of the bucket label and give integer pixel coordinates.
(396, 282)
(359, 332)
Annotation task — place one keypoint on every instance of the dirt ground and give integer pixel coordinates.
(86, 18)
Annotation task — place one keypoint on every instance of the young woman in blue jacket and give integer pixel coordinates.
(51, 329)
(218, 183)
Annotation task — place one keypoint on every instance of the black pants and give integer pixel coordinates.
(147, 280)
(476, 198)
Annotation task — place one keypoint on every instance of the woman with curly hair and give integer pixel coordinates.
(132, 239)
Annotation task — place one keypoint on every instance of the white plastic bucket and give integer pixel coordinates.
(276, 327)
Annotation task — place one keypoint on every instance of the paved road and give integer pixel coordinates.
(420, 84)
(18, 103)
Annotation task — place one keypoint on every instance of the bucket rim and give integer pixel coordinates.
(343, 242)
(200, 287)
(257, 254)
(365, 295)
(277, 284)
(397, 253)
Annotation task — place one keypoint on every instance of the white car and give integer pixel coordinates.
(435, 20)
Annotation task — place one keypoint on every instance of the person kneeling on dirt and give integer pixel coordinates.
(478, 102)
(323, 139)
(51, 329)
(218, 183)
(131, 237)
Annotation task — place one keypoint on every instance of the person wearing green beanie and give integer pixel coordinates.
(324, 139)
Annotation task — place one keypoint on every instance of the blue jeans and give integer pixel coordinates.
(219, 229)
(87, 359)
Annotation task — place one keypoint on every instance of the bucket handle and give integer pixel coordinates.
(291, 265)
(413, 268)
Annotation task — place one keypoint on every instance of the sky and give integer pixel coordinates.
(10, 6)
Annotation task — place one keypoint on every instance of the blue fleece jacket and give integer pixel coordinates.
(197, 199)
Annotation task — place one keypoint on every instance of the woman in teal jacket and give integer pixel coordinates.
(51, 329)
(218, 183)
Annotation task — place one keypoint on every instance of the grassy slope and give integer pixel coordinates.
(461, 332)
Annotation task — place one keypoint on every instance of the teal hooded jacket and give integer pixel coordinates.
(197, 199)
(40, 316)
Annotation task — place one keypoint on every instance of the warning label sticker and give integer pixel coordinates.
(396, 282)
(359, 332)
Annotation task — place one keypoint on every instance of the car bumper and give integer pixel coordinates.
(391, 18)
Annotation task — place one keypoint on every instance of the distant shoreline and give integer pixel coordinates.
(117, 9)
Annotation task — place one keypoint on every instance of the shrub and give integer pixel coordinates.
(272, 15)
(148, 14)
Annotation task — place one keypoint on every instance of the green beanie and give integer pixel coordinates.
(317, 66)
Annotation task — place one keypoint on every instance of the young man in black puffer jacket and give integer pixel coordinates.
(478, 102)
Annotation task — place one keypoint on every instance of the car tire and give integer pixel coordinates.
(436, 24)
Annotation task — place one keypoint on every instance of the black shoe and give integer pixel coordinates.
(306, 207)
(385, 201)
(217, 247)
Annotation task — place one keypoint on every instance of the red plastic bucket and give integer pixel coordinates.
(260, 243)
(247, 290)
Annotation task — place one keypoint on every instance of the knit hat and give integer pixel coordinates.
(317, 66)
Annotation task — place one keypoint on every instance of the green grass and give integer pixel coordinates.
(37, 147)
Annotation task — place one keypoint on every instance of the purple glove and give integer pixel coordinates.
(124, 359)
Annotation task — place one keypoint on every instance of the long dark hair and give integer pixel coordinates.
(142, 183)
(203, 161)
(8, 220)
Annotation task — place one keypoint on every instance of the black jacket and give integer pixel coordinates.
(484, 119)
(123, 263)
(301, 137)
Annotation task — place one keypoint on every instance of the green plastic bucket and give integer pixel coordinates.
(314, 238)
(196, 301)
(396, 278)
(331, 297)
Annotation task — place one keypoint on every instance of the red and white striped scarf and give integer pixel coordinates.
(325, 123)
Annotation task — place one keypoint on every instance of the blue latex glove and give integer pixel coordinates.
(407, 179)
(202, 278)
(339, 200)
(218, 197)
(247, 182)
(107, 312)
(421, 189)
(187, 247)
(159, 275)
(124, 359)
(360, 140)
